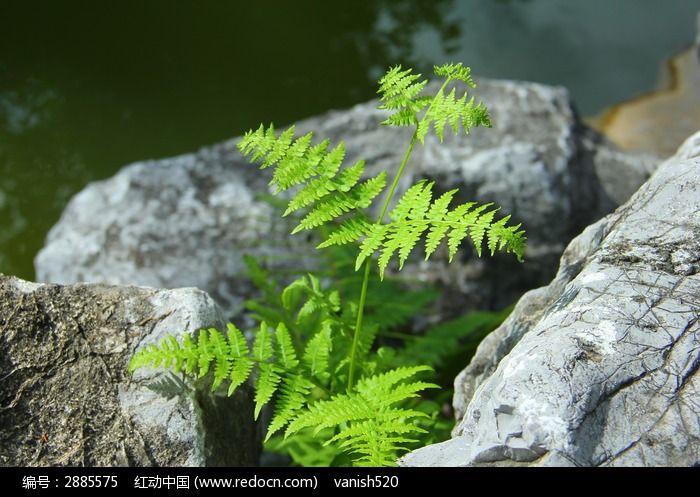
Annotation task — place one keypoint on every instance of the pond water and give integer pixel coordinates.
(87, 87)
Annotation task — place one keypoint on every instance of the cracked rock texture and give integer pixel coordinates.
(188, 220)
(66, 398)
(600, 368)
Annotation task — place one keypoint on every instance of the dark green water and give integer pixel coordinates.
(87, 87)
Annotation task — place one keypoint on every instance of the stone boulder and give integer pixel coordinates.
(187, 221)
(67, 399)
(600, 368)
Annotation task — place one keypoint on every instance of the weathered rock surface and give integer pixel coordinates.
(66, 398)
(170, 223)
(187, 221)
(601, 366)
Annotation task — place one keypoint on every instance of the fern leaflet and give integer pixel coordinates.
(400, 92)
(329, 191)
(317, 351)
(376, 427)
(414, 214)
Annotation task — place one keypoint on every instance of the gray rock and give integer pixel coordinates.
(67, 400)
(600, 368)
(187, 221)
(170, 223)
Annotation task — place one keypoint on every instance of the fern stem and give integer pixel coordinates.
(404, 161)
(368, 261)
(358, 323)
(399, 173)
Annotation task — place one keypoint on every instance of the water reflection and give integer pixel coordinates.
(403, 30)
(21, 112)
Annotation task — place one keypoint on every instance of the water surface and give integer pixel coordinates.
(87, 87)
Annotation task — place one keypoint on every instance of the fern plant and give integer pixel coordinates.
(389, 313)
(315, 353)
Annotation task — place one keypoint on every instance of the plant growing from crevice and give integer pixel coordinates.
(315, 352)
(391, 309)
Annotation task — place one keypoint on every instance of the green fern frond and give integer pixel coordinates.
(238, 346)
(222, 357)
(404, 117)
(455, 71)
(317, 352)
(266, 385)
(268, 373)
(325, 211)
(205, 354)
(500, 238)
(349, 231)
(146, 357)
(293, 292)
(400, 91)
(452, 110)
(187, 355)
(330, 163)
(349, 177)
(373, 240)
(335, 206)
(415, 213)
(293, 395)
(378, 442)
(228, 354)
(315, 190)
(262, 346)
(334, 194)
(240, 372)
(259, 142)
(308, 287)
(316, 299)
(319, 187)
(328, 191)
(375, 388)
(368, 190)
(342, 408)
(286, 355)
(438, 211)
(370, 423)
